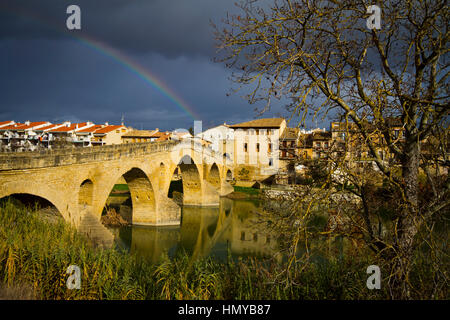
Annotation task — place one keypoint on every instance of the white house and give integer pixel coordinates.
(218, 136)
(257, 143)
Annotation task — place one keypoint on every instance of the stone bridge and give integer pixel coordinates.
(78, 181)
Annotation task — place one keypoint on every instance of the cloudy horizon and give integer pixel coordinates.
(48, 74)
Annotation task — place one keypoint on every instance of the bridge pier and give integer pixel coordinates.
(208, 196)
(167, 213)
(225, 189)
(211, 195)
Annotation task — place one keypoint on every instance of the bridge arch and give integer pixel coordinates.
(229, 175)
(31, 199)
(191, 180)
(142, 195)
(213, 176)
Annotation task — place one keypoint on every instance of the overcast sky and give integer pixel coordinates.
(47, 73)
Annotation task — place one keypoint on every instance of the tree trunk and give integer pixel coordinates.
(407, 223)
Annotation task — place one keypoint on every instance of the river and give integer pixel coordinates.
(230, 230)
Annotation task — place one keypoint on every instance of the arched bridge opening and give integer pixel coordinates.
(131, 200)
(214, 176)
(186, 187)
(30, 202)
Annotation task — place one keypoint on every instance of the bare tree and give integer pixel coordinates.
(323, 56)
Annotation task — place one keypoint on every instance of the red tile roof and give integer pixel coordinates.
(160, 134)
(94, 128)
(140, 134)
(260, 123)
(64, 128)
(14, 126)
(5, 122)
(108, 128)
(72, 127)
(164, 136)
(33, 124)
(91, 129)
(48, 127)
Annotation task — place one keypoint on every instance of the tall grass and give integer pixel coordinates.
(35, 253)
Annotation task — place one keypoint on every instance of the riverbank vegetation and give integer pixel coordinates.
(35, 254)
(388, 106)
(241, 193)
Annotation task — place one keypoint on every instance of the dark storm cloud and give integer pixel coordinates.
(45, 74)
(168, 27)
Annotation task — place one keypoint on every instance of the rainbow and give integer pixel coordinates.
(140, 71)
(118, 57)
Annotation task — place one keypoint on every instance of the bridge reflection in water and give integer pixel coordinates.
(204, 231)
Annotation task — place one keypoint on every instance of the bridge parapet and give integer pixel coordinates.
(68, 156)
(60, 157)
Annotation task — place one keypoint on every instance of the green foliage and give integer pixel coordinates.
(247, 190)
(120, 187)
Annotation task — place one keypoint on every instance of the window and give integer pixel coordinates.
(117, 131)
(257, 132)
(255, 237)
(245, 147)
(242, 235)
(270, 147)
(257, 147)
(270, 162)
(326, 145)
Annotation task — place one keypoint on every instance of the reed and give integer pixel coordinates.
(35, 254)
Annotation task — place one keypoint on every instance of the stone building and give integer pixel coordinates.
(256, 147)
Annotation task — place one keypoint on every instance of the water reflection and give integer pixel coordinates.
(232, 228)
